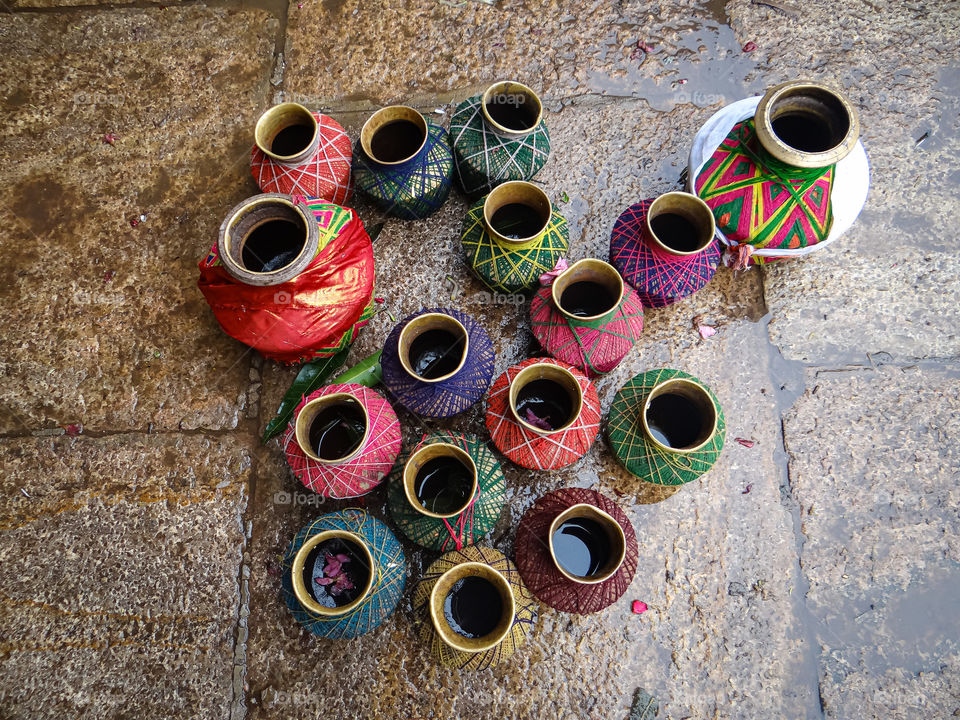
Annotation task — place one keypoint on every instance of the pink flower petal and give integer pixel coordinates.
(73, 429)
(747, 489)
(706, 331)
(343, 557)
(750, 47)
(323, 581)
(639, 607)
(537, 422)
(746, 443)
(548, 277)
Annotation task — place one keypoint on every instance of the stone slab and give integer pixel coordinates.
(119, 566)
(111, 330)
(873, 467)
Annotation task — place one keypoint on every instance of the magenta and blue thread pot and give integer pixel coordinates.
(437, 362)
(343, 574)
(665, 248)
(403, 162)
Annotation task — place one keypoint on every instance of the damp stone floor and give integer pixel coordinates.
(813, 575)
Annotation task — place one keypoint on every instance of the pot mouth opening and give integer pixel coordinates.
(680, 223)
(809, 120)
(586, 544)
(545, 398)
(511, 108)
(267, 236)
(394, 135)
(433, 347)
(472, 607)
(286, 132)
(679, 416)
(440, 480)
(333, 573)
(517, 212)
(588, 290)
(332, 429)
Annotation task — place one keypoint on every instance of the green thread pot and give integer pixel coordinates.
(511, 265)
(629, 423)
(486, 151)
(408, 186)
(465, 527)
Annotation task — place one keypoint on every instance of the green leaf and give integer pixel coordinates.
(564, 197)
(310, 377)
(366, 372)
(645, 706)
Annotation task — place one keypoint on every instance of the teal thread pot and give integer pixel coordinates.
(343, 574)
(443, 510)
(403, 162)
(499, 136)
(513, 236)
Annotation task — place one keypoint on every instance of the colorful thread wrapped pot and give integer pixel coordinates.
(784, 175)
(298, 152)
(361, 431)
(512, 236)
(587, 317)
(563, 418)
(541, 565)
(666, 427)
(437, 362)
(494, 578)
(499, 136)
(376, 583)
(445, 528)
(290, 277)
(671, 264)
(403, 162)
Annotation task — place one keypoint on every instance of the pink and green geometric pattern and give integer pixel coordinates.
(761, 201)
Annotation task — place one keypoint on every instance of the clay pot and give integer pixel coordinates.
(614, 538)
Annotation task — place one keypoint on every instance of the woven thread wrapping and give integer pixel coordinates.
(516, 268)
(533, 450)
(390, 573)
(638, 454)
(370, 466)
(525, 616)
(659, 278)
(414, 189)
(312, 315)
(596, 347)
(484, 158)
(759, 200)
(539, 571)
(447, 397)
(472, 524)
(325, 174)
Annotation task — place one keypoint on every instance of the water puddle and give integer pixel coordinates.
(697, 60)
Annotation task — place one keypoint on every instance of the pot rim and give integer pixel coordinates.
(384, 116)
(408, 477)
(535, 197)
(689, 200)
(699, 388)
(586, 509)
(552, 369)
(438, 595)
(564, 279)
(308, 413)
(425, 319)
(278, 109)
(509, 87)
(299, 559)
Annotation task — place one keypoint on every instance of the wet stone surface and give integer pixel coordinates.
(811, 574)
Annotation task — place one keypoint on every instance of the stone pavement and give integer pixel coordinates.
(813, 575)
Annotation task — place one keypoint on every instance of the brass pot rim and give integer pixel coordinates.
(308, 412)
(299, 559)
(394, 112)
(409, 478)
(503, 86)
(225, 240)
(503, 188)
(763, 124)
(265, 118)
(690, 199)
(700, 387)
(422, 319)
(441, 626)
(580, 264)
(514, 389)
(588, 509)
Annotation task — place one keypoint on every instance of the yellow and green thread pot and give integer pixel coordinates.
(513, 264)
